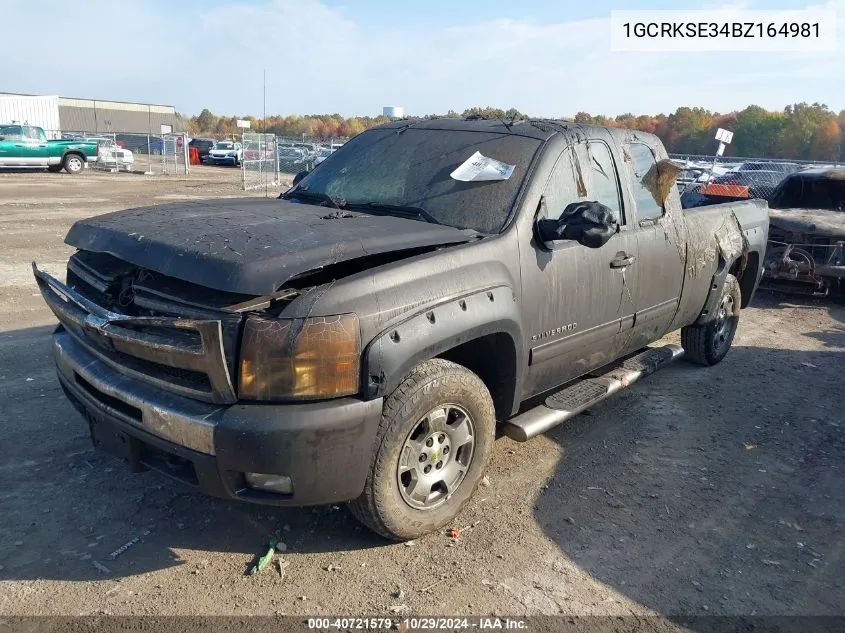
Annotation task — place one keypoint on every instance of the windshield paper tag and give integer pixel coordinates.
(479, 168)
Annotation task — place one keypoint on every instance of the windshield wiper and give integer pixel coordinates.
(314, 196)
(401, 210)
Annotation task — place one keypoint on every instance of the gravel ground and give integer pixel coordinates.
(695, 492)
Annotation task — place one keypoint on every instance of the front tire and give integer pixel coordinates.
(709, 343)
(432, 448)
(73, 163)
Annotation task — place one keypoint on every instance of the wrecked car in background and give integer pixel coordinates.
(367, 337)
(806, 249)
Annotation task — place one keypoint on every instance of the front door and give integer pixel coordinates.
(577, 298)
(11, 141)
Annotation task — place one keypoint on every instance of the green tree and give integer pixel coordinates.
(514, 114)
(205, 121)
(803, 122)
(757, 133)
(687, 130)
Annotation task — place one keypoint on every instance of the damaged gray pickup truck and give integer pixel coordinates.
(430, 286)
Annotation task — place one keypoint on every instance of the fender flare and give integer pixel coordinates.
(711, 304)
(80, 152)
(394, 352)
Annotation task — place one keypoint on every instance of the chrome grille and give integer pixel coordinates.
(182, 355)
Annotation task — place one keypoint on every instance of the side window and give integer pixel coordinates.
(31, 133)
(566, 184)
(584, 172)
(643, 161)
(602, 178)
(13, 133)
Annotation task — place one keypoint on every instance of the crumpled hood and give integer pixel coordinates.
(249, 245)
(822, 222)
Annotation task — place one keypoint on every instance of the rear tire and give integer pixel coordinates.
(432, 448)
(73, 163)
(709, 343)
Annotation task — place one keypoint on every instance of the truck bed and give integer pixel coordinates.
(718, 233)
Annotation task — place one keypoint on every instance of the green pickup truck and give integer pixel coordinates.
(26, 146)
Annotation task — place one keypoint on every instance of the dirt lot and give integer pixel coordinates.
(697, 491)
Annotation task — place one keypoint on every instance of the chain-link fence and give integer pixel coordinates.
(135, 153)
(270, 160)
(711, 180)
(259, 161)
(174, 155)
(297, 154)
(263, 160)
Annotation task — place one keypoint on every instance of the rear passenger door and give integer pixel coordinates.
(660, 263)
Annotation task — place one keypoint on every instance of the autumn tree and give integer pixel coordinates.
(803, 122)
(799, 131)
(825, 144)
(687, 130)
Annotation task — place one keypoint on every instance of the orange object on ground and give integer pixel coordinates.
(455, 533)
(194, 153)
(728, 191)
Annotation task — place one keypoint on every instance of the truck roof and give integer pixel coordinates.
(540, 129)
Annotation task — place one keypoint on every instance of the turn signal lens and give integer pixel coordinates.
(289, 359)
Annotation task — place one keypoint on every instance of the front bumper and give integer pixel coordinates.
(223, 159)
(325, 448)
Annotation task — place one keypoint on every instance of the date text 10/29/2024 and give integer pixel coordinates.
(417, 624)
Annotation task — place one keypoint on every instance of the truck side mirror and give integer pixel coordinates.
(589, 223)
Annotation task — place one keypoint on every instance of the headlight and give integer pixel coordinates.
(283, 359)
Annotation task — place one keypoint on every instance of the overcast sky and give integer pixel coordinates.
(325, 56)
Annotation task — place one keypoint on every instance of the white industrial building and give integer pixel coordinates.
(64, 114)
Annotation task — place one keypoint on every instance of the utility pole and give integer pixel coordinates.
(262, 146)
(264, 119)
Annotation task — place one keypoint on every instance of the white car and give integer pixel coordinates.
(110, 155)
(226, 153)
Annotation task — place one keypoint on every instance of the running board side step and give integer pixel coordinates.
(567, 403)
